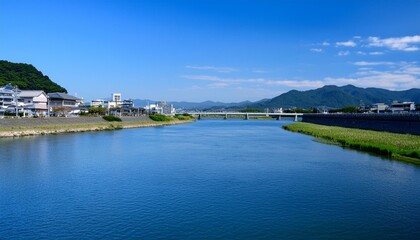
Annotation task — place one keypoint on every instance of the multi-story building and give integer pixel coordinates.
(128, 103)
(165, 108)
(35, 101)
(98, 103)
(8, 97)
(379, 107)
(398, 107)
(116, 97)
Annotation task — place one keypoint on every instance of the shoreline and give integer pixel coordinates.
(22, 131)
(395, 146)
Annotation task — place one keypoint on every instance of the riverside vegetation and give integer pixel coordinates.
(177, 117)
(397, 146)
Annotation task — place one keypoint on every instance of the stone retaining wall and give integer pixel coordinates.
(51, 121)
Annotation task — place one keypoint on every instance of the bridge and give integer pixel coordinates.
(246, 115)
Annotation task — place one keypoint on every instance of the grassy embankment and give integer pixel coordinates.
(114, 124)
(397, 146)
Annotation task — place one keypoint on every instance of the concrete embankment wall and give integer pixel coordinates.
(398, 123)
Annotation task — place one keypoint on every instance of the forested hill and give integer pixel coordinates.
(26, 77)
(338, 97)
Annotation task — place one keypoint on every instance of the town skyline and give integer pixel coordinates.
(229, 51)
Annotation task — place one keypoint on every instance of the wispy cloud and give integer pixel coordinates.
(259, 71)
(349, 43)
(398, 76)
(316, 50)
(325, 43)
(387, 80)
(263, 81)
(343, 53)
(407, 43)
(212, 68)
(376, 53)
(363, 63)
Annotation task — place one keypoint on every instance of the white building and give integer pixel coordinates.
(34, 100)
(116, 97)
(7, 97)
(398, 107)
(379, 107)
(97, 103)
(161, 107)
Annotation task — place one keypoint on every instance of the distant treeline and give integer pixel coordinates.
(26, 77)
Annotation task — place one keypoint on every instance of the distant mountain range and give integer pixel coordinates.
(194, 105)
(329, 96)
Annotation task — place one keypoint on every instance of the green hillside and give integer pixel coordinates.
(337, 97)
(26, 77)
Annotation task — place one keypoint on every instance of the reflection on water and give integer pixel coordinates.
(212, 179)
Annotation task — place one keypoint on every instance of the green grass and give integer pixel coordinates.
(161, 118)
(397, 146)
(184, 117)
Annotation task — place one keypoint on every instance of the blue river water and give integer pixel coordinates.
(212, 179)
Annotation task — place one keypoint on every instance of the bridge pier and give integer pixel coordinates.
(278, 117)
(226, 117)
(199, 117)
(296, 118)
(246, 117)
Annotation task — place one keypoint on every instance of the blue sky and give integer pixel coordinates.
(213, 50)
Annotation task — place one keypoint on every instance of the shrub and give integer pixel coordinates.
(184, 116)
(160, 118)
(111, 118)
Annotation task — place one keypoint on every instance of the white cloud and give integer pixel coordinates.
(325, 43)
(387, 80)
(376, 53)
(212, 68)
(396, 76)
(406, 43)
(361, 53)
(296, 83)
(218, 85)
(343, 53)
(263, 81)
(363, 63)
(317, 50)
(259, 71)
(349, 43)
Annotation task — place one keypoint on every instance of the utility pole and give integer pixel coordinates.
(48, 106)
(16, 101)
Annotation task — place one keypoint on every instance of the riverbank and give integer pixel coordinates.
(403, 147)
(44, 126)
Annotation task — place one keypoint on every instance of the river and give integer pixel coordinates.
(212, 179)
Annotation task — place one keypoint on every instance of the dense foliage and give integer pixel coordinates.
(26, 77)
(184, 117)
(97, 110)
(383, 143)
(111, 118)
(161, 118)
(344, 110)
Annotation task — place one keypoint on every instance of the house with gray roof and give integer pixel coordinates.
(58, 99)
(33, 100)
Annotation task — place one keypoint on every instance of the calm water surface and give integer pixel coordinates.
(212, 179)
